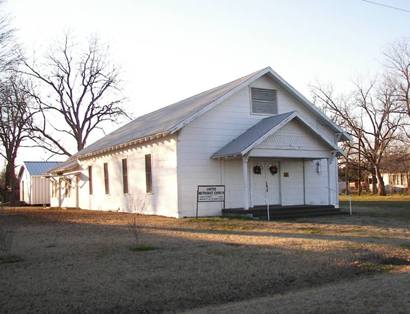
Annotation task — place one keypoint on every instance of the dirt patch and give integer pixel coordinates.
(74, 260)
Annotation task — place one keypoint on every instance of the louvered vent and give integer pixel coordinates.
(264, 101)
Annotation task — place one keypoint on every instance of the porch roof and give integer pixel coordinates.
(259, 132)
(68, 165)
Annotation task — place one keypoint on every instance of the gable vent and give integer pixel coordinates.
(264, 101)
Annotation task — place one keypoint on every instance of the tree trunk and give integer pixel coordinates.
(10, 185)
(347, 178)
(359, 172)
(381, 190)
(407, 182)
(374, 183)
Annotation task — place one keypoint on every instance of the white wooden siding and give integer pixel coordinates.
(259, 195)
(25, 192)
(163, 199)
(293, 140)
(316, 183)
(199, 140)
(208, 133)
(36, 189)
(286, 103)
(292, 185)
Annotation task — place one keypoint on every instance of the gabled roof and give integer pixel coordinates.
(37, 168)
(260, 131)
(172, 118)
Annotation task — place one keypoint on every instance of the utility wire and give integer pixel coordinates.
(387, 6)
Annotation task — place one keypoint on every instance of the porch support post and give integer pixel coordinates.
(59, 192)
(328, 181)
(304, 182)
(335, 190)
(245, 181)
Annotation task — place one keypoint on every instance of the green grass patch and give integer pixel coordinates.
(375, 198)
(240, 217)
(143, 248)
(224, 223)
(220, 219)
(312, 230)
(10, 259)
(379, 264)
(218, 252)
(232, 227)
(375, 267)
(392, 206)
(405, 245)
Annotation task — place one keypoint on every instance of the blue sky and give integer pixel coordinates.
(169, 50)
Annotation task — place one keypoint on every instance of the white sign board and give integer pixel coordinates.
(211, 193)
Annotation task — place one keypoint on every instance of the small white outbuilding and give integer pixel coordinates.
(249, 142)
(34, 187)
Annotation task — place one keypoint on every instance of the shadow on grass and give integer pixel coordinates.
(308, 234)
(143, 248)
(10, 259)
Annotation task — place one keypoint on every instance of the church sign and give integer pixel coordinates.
(210, 193)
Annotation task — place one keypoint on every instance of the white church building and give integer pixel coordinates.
(252, 141)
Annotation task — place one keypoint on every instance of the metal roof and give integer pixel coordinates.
(162, 121)
(37, 168)
(250, 136)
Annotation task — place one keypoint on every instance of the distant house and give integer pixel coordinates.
(394, 182)
(34, 187)
(256, 137)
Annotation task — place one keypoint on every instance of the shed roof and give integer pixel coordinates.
(37, 168)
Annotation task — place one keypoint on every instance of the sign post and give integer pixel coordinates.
(210, 194)
(266, 166)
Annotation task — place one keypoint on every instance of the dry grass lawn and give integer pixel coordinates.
(86, 261)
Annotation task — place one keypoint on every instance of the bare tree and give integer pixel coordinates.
(398, 68)
(370, 114)
(9, 49)
(76, 92)
(16, 118)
